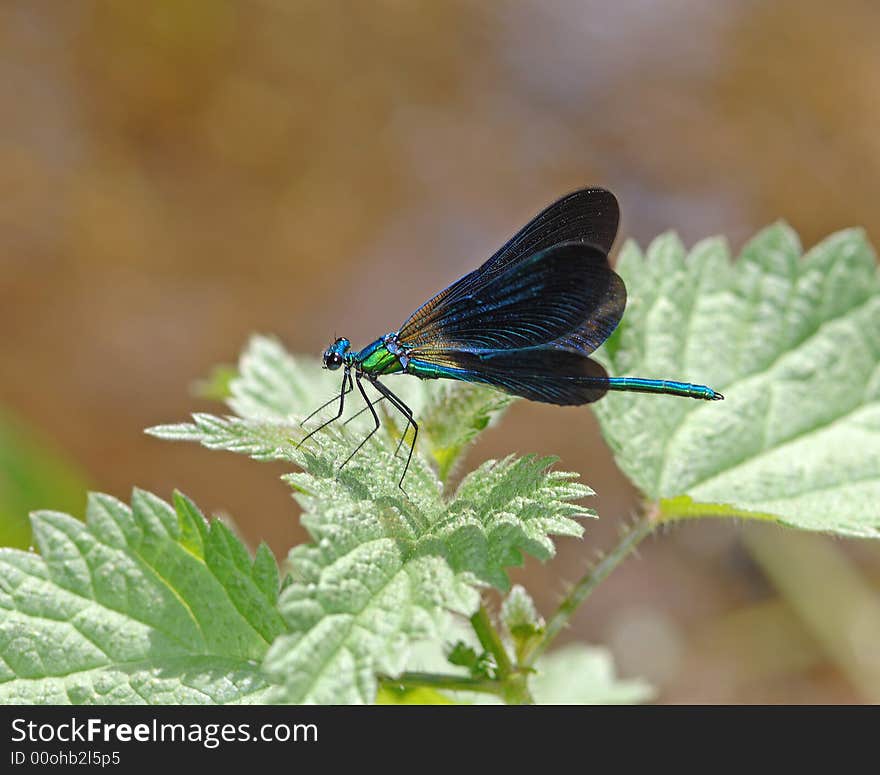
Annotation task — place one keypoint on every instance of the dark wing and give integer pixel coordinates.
(567, 295)
(588, 216)
(545, 374)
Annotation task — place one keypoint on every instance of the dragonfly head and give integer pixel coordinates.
(334, 355)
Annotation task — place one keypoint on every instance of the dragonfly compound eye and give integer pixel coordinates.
(332, 361)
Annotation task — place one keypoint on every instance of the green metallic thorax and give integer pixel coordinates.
(377, 359)
(388, 356)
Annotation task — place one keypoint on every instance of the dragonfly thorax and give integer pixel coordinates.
(337, 354)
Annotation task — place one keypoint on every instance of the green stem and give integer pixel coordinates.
(491, 641)
(512, 682)
(584, 588)
(458, 683)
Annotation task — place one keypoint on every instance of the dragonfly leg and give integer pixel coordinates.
(347, 385)
(322, 406)
(369, 405)
(382, 397)
(361, 411)
(409, 421)
(346, 378)
(407, 412)
(400, 406)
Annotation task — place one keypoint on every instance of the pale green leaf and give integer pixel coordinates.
(522, 620)
(382, 573)
(584, 675)
(792, 341)
(142, 604)
(455, 414)
(518, 611)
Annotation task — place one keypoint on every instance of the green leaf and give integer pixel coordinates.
(518, 612)
(147, 604)
(455, 415)
(480, 664)
(521, 618)
(792, 341)
(383, 572)
(420, 696)
(385, 568)
(584, 675)
(215, 387)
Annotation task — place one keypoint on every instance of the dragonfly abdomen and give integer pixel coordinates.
(663, 387)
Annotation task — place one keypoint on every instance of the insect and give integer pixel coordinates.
(525, 322)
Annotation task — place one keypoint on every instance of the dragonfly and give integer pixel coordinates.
(525, 322)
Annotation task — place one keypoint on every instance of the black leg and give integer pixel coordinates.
(407, 412)
(376, 401)
(409, 421)
(375, 419)
(361, 411)
(346, 378)
(322, 406)
(347, 386)
(400, 406)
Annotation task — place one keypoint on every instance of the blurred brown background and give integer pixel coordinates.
(177, 174)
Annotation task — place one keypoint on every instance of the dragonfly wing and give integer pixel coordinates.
(547, 374)
(588, 216)
(566, 294)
